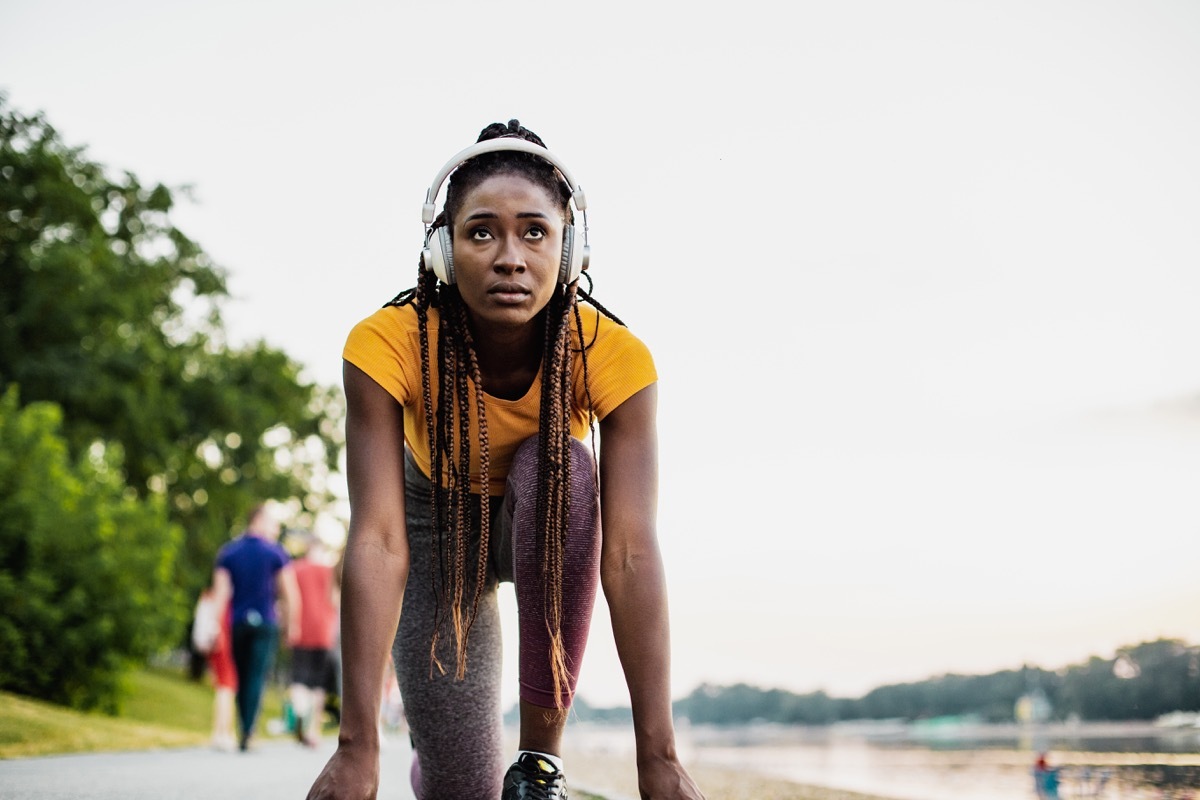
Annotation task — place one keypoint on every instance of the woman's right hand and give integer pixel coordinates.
(352, 773)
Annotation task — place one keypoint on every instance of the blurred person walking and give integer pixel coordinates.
(225, 684)
(251, 572)
(312, 649)
(212, 637)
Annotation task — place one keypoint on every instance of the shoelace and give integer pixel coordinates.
(542, 786)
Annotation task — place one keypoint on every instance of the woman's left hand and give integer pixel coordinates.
(666, 779)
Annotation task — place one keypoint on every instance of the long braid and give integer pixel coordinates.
(587, 388)
(485, 459)
(452, 424)
(442, 470)
(463, 478)
(558, 664)
(594, 303)
(554, 468)
(422, 297)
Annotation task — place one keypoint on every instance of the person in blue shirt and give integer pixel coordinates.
(251, 572)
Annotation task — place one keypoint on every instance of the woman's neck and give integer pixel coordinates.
(509, 358)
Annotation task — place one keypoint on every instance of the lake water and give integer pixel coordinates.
(968, 762)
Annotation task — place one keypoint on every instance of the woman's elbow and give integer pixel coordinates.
(629, 567)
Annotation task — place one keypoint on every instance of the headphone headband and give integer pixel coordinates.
(505, 143)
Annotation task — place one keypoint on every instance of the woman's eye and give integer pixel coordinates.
(535, 233)
(480, 234)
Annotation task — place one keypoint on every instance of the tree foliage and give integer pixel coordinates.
(1141, 682)
(991, 697)
(717, 705)
(87, 571)
(113, 314)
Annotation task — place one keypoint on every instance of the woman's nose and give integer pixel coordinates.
(510, 254)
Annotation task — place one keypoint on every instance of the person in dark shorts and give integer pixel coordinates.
(312, 651)
(469, 399)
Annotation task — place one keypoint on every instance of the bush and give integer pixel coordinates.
(86, 568)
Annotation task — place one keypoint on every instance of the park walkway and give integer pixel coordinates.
(276, 769)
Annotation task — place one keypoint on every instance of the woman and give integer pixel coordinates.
(491, 373)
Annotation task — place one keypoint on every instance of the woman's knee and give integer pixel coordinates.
(523, 473)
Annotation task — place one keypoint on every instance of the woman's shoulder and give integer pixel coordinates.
(600, 327)
(391, 319)
(391, 327)
(600, 333)
(613, 351)
(387, 346)
(618, 365)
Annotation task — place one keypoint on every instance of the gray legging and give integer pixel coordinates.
(456, 725)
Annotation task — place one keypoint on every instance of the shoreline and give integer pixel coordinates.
(603, 766)
(715, 782)
(613, 776)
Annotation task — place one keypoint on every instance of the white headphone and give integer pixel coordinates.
(438, 255)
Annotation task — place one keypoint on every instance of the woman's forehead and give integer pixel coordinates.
(510, 188)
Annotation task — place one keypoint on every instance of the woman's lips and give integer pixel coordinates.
(509, 292)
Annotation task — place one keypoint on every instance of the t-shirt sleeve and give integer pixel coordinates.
(619, 364)
(383, 347)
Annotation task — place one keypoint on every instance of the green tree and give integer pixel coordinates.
(1165, 676)
(1142, 682)
(86, 569)
(111, 312)
(742, 703)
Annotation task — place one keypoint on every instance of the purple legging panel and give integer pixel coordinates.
(581, 571)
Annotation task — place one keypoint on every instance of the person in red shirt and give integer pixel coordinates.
(211, 636)
(312, 652)
(224, 673)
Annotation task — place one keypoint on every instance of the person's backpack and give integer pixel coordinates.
(206, 625)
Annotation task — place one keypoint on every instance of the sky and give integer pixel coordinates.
(919, 278)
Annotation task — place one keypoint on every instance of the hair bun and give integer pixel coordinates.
(513, 130)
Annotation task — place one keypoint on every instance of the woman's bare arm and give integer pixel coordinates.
(631, 572)
(375, 571)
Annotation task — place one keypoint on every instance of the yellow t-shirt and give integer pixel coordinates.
(387, 347)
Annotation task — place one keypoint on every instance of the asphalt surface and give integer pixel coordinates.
(272, 769)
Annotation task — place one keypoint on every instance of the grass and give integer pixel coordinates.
(163, 709)
(163, 697)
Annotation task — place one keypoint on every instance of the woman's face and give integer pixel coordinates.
(507, 249)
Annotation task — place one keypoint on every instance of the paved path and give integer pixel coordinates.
(280, 769)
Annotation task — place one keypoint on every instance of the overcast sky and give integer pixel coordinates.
(920, 278)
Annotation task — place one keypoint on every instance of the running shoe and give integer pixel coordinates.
(533, 778)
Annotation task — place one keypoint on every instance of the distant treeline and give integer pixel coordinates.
(1141, 682)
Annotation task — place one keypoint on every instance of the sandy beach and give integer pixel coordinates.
(609, 780)
(614, 776)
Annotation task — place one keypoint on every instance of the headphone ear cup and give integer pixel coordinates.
(438, 255)
(574, 256)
